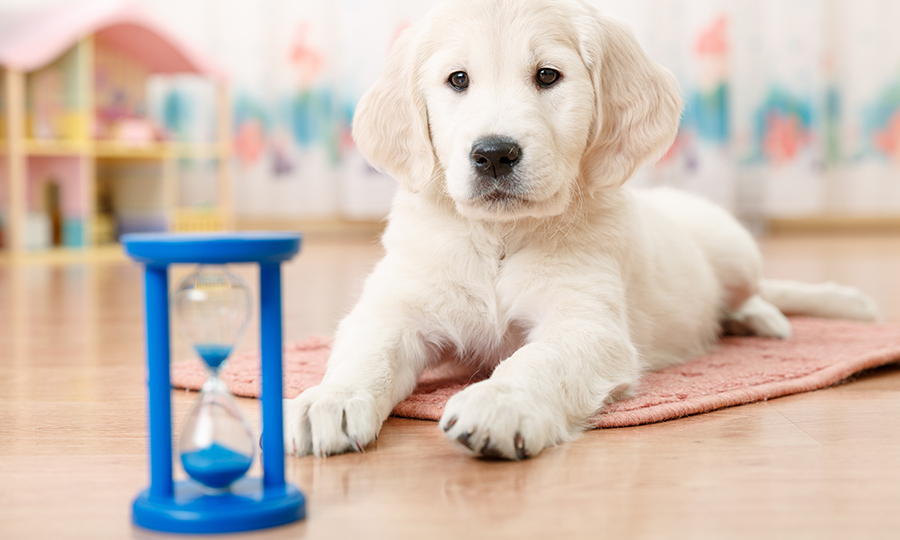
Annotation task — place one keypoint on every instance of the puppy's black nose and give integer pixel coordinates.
(495, 156)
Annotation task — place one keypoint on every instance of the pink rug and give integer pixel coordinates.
(741, 370)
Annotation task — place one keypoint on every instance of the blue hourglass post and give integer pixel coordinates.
(270, 338)
(156, 292)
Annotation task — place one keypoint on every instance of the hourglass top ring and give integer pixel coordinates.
(188, 506)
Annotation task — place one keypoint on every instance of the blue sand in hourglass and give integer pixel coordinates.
(215, 466)
(213, 354)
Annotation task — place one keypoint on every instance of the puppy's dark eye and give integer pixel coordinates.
(546, 77)
(459, 80)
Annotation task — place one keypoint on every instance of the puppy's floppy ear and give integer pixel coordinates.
(390, 125)
(638, 106)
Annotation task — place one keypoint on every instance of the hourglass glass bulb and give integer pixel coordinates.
(216, 445)
(213, 306)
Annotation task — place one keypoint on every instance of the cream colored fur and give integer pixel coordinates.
(568, 293)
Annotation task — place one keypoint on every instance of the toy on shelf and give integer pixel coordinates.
(217, 448)
(120, 88)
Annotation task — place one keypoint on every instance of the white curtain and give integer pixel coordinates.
(792, 106)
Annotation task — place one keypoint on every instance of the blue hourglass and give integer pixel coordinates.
(216, 448)
(212, 307)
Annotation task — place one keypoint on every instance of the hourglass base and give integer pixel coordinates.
(247, 506)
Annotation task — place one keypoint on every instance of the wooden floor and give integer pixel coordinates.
(72, 442)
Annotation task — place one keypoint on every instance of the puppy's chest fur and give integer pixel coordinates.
(491, 301)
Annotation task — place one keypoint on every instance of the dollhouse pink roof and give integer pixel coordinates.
(33, 40)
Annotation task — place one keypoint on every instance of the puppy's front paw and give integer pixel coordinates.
(500, 420)
(328, 420)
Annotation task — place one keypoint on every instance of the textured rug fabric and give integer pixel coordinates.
(741, 370)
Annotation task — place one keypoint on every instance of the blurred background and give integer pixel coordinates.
(792, 114)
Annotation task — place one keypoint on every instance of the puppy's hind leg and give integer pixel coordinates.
(764, 314)
(828, 300)
(757, 317)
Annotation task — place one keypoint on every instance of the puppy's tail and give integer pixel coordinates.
(828, 300)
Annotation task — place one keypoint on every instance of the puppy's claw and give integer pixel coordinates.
(521, 453)
(450, 424)
(491, 452)
(464, 440)
(487, 443)
(358, 446)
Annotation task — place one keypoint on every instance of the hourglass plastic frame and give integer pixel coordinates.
(251, 503)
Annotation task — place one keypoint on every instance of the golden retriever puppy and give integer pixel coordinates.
(512, 244)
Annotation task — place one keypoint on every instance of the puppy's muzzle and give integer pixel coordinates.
(494, 160)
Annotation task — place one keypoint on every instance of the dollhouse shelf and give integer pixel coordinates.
(64, 256)
(159, 151)
(52, 83)
(55, 148)
(113, 150)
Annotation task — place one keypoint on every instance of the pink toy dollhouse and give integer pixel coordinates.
(80, 157)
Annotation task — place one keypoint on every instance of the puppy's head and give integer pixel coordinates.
(514, 107)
